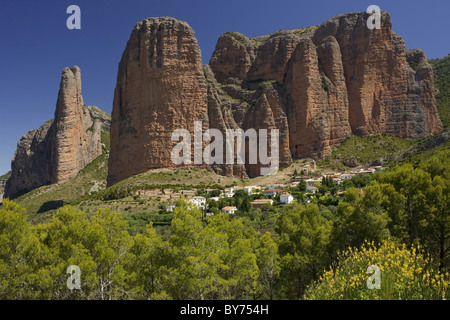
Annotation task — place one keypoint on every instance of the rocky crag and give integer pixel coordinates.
(317, 85)
(61, 147)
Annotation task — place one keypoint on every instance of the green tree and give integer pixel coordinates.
(269, 263)
(100, 248)
(421, 209)
(359, 218)
(303, 237)
(241, 272)
(23, 259)
(196, 255)
(301, 187)
(151, 257)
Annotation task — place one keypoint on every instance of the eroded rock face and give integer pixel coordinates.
(316, 85)
(60, 148)
(77, 139)
(385, 94)
(160, 88)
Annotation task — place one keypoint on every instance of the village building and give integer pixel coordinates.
(311, 189)
(250, 190)
(228, 192)
(312, 182)
(346, 176)
(259, 203)
(200, 202)
(286, 198)
(272, 192)
(229, 210)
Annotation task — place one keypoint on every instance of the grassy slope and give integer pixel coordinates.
(46, 198)
(366, 150)
(441, 69)
(423, 151)
(43, 199)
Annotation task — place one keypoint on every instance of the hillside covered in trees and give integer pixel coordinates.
(399, 221)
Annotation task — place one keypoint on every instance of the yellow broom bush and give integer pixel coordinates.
(405, 274)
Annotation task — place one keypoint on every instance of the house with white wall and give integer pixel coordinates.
(286, 198)
(200, 202)
(229, 210)
(272, 192)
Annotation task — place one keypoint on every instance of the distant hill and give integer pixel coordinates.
(441, 69)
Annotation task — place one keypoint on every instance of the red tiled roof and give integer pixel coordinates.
(228, 208)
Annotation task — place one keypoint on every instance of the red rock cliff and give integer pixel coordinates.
(316, 85)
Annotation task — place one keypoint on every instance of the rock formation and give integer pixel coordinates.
(60, 148)
(160, 88)
(316, 85)
(2, 189)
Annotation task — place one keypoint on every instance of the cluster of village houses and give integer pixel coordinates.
(270, 191)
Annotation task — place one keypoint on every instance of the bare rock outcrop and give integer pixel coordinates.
(61, 147)
(77, 137)
(160, 88)
(316, 85)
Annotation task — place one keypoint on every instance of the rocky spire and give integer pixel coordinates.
(160, 88)
(60, 148)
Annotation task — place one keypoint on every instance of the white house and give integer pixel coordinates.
(312, 182)
(250, 190)
(272, 192)
(311, 189)
(198, 201)
(229, 192)
(229, 210)
(215, 199)
(286, 198)
(346, 176)
(274, 186)
(337, 180)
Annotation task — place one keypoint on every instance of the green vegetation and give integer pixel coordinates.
(414, 65)
(366, 150)
(420, 153)
(399, 222)
(305, 30)
(441, 69)
(137, 222)
(73, 191)
(406, 274)
(236, 36)
(102, 113)
(6, 176)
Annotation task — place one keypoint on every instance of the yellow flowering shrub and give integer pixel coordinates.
(405, 274)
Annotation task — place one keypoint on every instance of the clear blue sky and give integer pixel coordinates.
(36, 45)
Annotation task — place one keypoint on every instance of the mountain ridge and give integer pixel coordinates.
(317, 87)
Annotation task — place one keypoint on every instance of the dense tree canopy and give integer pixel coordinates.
(283, 252)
